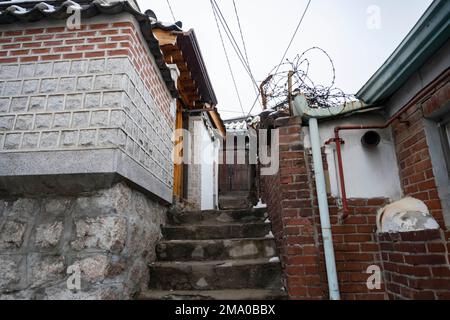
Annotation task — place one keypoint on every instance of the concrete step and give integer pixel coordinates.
(216, 231)
(235, 295)
(233, 202)
(209, 216)
(216, 275)
(200, 250)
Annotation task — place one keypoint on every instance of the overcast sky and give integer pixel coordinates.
(347, 29)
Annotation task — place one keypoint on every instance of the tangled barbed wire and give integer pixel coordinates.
(275, 87)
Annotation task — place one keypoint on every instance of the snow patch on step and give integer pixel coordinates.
(269, 235)
(202, 283)
(274, 259)
(260, 204)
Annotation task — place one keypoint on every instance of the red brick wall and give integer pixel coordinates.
(415, 167)
(90, 41)
(291, 199)
(416, 264)
(288, 197)
(356, 247)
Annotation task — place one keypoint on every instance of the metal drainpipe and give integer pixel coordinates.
(327, 237)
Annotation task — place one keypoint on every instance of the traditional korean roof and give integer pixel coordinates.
(186, 42)
(194, 85)
(236, 125)
(30, 12)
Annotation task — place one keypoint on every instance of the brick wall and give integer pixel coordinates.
(288, 197)
(356, 247)
(416, 264)
(402, 258)
(292, 204)
(97, 87)
(415, 166)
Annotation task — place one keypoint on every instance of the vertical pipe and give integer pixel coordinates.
(330, 262)
(337, 141)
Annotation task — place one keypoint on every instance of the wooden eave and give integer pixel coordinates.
(188, 89)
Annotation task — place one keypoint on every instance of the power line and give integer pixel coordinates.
(228, 61)
(293, 36)
(285, 52)
(245, 47)
(229, 34)
(240, 30)
(234, 44)
(171, 11)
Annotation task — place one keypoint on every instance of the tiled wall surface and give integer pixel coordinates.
(58, 94)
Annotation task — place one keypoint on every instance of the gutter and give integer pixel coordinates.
(301, 108)
(330, 261)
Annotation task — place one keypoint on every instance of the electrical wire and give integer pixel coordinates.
(234, 43)
(293, 36)
(228, 61)
(285, 52)
(171, 11)
(242, 34)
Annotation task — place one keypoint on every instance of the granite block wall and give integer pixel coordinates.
(109, 235)
(89, 89)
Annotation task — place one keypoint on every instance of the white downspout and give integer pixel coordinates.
(330, 262)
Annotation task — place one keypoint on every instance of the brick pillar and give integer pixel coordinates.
(290, 203)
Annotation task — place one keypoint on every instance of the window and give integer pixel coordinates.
(445, 138)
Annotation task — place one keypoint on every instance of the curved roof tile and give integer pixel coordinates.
(33, 12)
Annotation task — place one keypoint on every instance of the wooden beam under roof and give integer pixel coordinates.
(187, 87)
(165, 37)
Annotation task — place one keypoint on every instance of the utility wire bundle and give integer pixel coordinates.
(275, 87)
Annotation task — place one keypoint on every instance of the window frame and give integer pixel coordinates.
(444, 128)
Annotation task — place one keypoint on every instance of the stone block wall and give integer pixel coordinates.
(109, 234)
(89, 89)
(85, 150)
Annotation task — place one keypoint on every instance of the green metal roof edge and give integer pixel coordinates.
(428, 35)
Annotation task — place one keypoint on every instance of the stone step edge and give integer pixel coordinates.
(205, 241)
(226, 294)
(218, 224)
(216, 263)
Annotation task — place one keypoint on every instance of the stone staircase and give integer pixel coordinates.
(222, 254)
(234, 200)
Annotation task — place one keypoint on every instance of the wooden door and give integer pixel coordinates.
(235, 177)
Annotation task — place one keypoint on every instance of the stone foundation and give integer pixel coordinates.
(110, 235)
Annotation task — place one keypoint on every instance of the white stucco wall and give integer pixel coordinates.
(368, 173)
(206, 158)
